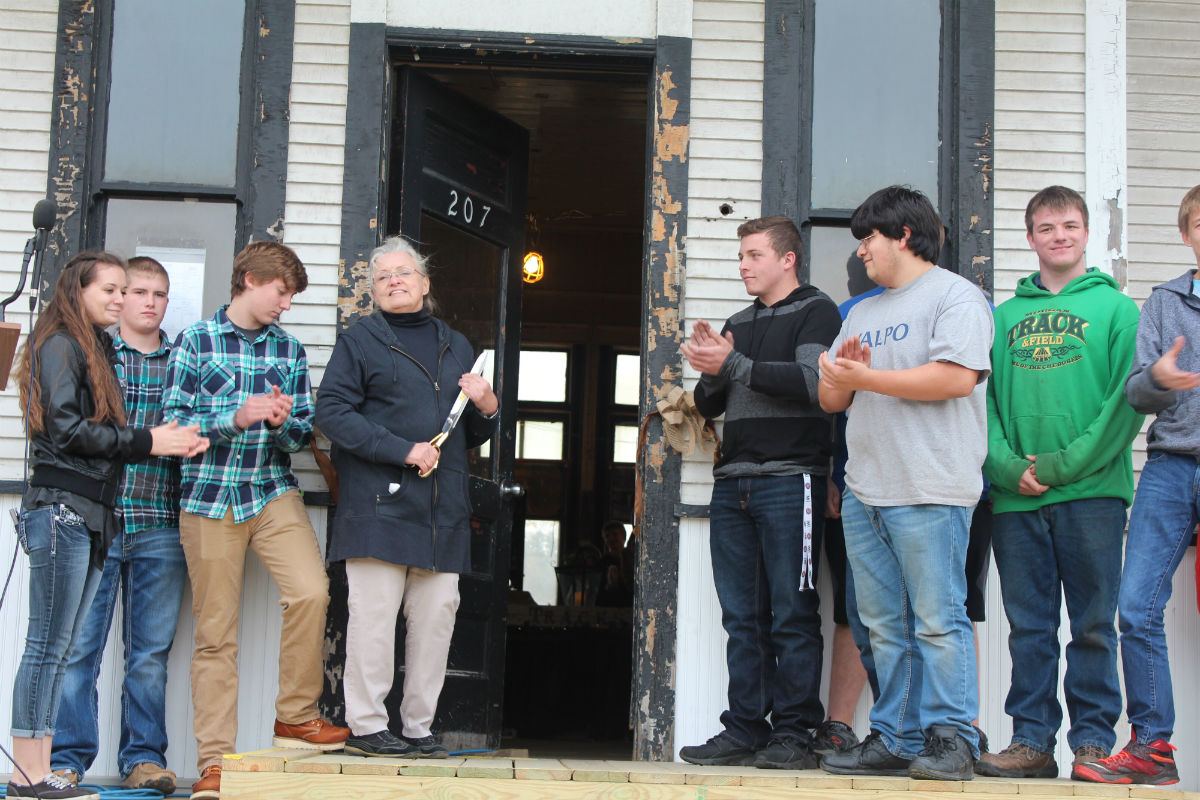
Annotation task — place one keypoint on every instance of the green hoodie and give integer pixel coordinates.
(1059, 364)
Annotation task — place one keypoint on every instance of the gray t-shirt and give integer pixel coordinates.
(912, 452)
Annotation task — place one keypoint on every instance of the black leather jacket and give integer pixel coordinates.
(73, 452)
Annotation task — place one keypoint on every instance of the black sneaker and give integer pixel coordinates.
(832, 737)
(785, 751)
(946, 757)
(869, 758)
(720, 750)
(427, 747)
(381, 743)
(50, 787)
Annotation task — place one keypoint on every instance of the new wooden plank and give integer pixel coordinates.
(939, 787)
(997, 786)
(323, 764)
(656, 772)
(1057, 787)
(589, 770)
(271, 759)
(486, 768)
(1157, 793)
(540, 769)
(431, 767)
(881, 783)
(1099, 790)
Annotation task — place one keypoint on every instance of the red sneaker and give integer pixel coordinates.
(1137, 763)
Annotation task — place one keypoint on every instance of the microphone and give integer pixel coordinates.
(45, 213)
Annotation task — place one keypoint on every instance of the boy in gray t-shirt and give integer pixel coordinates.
(910, 366)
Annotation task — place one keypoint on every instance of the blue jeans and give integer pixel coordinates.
(61, 586)
(148, 571)
(910, 586)
(1165, 512)
(1071, 548)
(774, 626)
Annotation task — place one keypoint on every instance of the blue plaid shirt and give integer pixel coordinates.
(150, 492)
(214, 370)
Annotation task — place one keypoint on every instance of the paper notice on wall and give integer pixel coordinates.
(185, 265)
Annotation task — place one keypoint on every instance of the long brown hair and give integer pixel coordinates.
(65, 312)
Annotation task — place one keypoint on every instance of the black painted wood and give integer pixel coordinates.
(655, 601)
(367, 137)
(263, 135)
(79, 122)
(968, 92)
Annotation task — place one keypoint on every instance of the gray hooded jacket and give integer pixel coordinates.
(1172, 310)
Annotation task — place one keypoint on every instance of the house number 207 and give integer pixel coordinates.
(466, 209)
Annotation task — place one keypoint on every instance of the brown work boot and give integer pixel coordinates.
(1017, 761)
(316, 734)
(150, 776)
(1086, 755)
(209, 785)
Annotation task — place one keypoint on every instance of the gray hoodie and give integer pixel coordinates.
(1171, 310)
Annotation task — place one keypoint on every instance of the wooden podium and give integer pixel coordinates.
(10, 334)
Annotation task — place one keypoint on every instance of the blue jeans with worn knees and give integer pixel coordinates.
(910, 586)
(147, 571)
(774, 627)
(1070, 549)
(1165, 512)
(62, 583)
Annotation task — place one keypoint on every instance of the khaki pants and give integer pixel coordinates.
(284, 541)
(430, 599)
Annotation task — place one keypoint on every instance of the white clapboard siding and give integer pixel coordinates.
(28, 34)
(1163, 137)
(725, 166)
(313, 210)
(258, 661)
(1040, 93)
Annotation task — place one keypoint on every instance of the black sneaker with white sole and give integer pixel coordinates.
(427, 747)
(381, 743)
(50, 787)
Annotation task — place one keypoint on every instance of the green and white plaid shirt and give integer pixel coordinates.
(214, 370)
(150, 492)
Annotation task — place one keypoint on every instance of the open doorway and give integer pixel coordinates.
(569, 635)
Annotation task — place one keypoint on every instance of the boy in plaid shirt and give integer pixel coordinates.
(144, 565)
(244, 381)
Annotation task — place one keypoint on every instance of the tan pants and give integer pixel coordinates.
(283, 539)
(430, 599)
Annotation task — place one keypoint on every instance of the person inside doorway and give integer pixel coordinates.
(402, 524)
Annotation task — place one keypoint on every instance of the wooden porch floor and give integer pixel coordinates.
(309, 775)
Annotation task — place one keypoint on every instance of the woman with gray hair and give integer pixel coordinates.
(405, 538)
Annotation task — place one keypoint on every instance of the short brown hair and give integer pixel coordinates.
(781, 233)
(145, 265)
(1058, 198)
(266, 261)
(1189, 206)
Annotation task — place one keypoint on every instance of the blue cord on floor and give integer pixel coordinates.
(117, 793)
(469, 752)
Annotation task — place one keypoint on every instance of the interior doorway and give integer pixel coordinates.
(569, 637)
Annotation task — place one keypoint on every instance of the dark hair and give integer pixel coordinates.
(895, 208)
(781, 233)
(1059, 198)
(65, 312)
(145, 265)
(266, 261)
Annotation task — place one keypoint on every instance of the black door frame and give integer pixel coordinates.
(374, 47)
